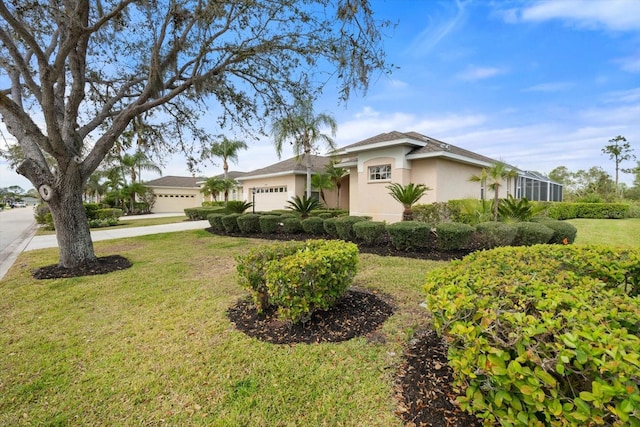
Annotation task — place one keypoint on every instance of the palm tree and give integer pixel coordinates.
(212, 187)
(302, 129)
(227, 150)
(494, 176)
(321, 182)
(336, 174)
(226, 185)
(407, 195)
(133, 164)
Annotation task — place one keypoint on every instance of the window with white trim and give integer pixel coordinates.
(380, 173)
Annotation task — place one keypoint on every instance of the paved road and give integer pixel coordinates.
(17, 227)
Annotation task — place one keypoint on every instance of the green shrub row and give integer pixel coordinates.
(543, 335)
(474, 211)
(298, 278)
(563, 210)
(96, 215)
(198, 214)
(405, 235)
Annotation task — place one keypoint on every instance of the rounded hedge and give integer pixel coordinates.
(313, 225)
(543, 335)
(230, 223)
(344, 226)
(370, 232)
(215, 220)
(269, 224)
(249, 223)
(407, 235)
(495, 234)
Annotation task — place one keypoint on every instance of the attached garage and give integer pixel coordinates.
(175, 193)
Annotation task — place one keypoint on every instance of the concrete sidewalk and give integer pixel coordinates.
(41, 242)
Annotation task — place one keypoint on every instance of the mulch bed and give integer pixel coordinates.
(423, 382)
(103, 265)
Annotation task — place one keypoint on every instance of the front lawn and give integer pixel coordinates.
(615, 232)
(152, 344)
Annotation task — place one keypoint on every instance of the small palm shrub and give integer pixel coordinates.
(238, 206)
(249, 223)
(344, 226)
(304, 205)
(230, 223)
(491, 234)
(531, 233)
(515, 210)
(408, 235)
(313, 225)
(291, 225)
(407, 195)
(370, 232)
(330, 227)
(453, 236)
(269, 224)
(215, 220)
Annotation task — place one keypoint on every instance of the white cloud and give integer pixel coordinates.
(474, 73)
(433, 34)
(613, 15)
(550, 87)
(630, 64)
(631, 95)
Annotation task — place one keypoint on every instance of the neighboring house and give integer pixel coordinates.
(404, 158)
(176, 193)
(373, 164)
(271, 187)
(234, 194)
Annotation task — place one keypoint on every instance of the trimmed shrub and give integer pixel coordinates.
(249, 223)
(494, 234)
(314, 278)
(542, 335)
(108, 213)
(370, 232)
(291, 225)
(251, 269)
(198, 214)
(329, 213)
(407, 235)
(104, 222)
(215, 220)
(330, 227)
(531, 233)
(313, 225)
(91, 209)
(563, 232)
(41, 211)
(453, 236)
(269, 224)
(566, 210)
(230, 223)
(344, 226)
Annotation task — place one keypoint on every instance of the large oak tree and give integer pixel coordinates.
(77, 72)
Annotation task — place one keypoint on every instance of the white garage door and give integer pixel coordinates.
(174, 202)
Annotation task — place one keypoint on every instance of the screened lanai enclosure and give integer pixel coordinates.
(535, 186)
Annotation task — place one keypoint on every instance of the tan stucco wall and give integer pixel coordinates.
(447, 180)
(176, 199)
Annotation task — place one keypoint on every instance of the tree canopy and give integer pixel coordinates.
(78, 72)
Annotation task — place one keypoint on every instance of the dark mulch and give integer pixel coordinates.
(424, 386)
(358, 313)
(103, 265)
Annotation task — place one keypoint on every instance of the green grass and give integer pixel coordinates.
(615, 232)
(152, 344)
(128, 223)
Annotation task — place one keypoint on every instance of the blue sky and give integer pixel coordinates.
(538, 84)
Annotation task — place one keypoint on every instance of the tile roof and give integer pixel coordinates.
(432, 145)
(292, 165)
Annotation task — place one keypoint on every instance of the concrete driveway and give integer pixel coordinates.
(17, 227)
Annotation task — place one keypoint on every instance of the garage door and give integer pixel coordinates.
(174, 202)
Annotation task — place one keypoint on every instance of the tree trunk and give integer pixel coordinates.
(70, 221)
(307, 153)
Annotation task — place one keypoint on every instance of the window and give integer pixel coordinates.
(380, 173)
